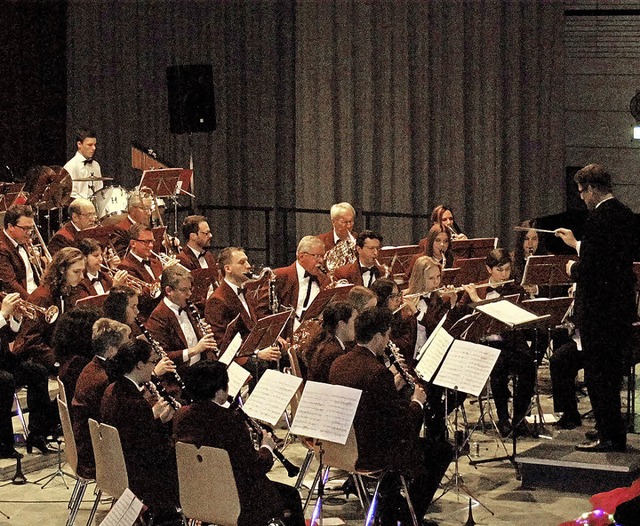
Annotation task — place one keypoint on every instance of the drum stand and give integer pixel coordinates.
(456, 481)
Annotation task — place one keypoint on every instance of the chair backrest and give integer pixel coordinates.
(111, 470)
(70, 450)
(205, 497)
(61, 392)
(341, 456)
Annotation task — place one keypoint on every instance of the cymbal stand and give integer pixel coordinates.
(456, 481)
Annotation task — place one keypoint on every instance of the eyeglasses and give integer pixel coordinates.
(88, 214)
(314, 256)
(146, 241)
(184, 290)
(26, 229)
(207, 233)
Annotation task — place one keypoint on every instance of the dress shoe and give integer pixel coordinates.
(592, 434)
(522, 430)
(40, 443)
(569, 421)
(601, 446)
(504, 426)
(349, 487)
(9, 452)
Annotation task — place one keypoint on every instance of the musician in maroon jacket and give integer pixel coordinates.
(342, 219)
(17, 272)
(140, 264)
(206, 423)
(83, 216)
(365, 270)
(173, 326)
(106, 337)
(139, 208)
(195, 253)
(61, 276)
(387, 425)
(145, 429)
(298, 284)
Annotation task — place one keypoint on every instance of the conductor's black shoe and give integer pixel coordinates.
(522, 430)
(40, 443)
(592, 434)
(504, 426)
(569, 421)
(602, 446)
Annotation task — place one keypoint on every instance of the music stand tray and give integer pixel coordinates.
(163, 182)
(555, 308)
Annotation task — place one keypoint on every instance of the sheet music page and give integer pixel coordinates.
(432, 352)
(326, 412)
(271, 396)
(467, 367)
(507, 312)
(125, 511)
(232, 349)
(238, 376)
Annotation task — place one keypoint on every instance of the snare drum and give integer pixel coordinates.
(111, 203)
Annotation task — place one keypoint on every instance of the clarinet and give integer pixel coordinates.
(393, 353)
(156, 388)
(155, 344)
(274, 303)
(292, 470)
(203, 328)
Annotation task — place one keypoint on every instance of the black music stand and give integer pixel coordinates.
(472, 270)
(323, 298)
(203, 278)
(449, 276)
(473, 248)
(264, 334)
(398, 258)
(547, 270)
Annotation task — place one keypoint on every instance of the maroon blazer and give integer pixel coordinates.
(120, 236)
(13, 273)
(85, 404)
(146, 443)
(137, 270)
(385, 424)
(34, 339)
(352, 272)
(222, 307)
(86, 288)
(191, 262)
(205, 423)
(328, 240)
(165, 329)
(65, 237)
(323, 358)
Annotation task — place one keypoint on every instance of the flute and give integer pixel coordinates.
(446, 290)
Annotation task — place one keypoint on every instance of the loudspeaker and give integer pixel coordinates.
(192, 106)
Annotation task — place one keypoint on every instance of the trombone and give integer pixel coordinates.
(31, 310)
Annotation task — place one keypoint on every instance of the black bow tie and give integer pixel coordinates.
(94, 280)
(373, 271)
(146, 262)
(87, 161)
(241, 291)
(202, 255)
(311, 277)
(181, 310)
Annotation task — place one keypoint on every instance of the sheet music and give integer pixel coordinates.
(467, 367)
(232, 349)
(432, 352)
(326, 412)
(271, 396)
(507, 312)
(125, 511)
(238, 376)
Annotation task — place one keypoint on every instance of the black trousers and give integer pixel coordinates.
(564, 364)
(42, 413)
(292, 504)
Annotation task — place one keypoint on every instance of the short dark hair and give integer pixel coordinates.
(115, 306)
(498, 257)
(70, 333)
(136, 230)
(204, 379)
(129, 354)
(191, 225)
(173, 275)
(334, 313)
(359, 296)
(15, 212)
(84, 133)
(372, 321)
(594, 175)
(383, 288)
(88, 245)
(367, 234)
(224, 258)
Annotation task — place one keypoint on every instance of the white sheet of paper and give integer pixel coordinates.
(432, 352)
(232, 349)
(238, 376)
(434, 334)
(467, 367)
(271, 396)
(326, 412)
(507, 312)
(125, 511)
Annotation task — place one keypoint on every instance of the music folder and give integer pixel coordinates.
(92, 301)
(102, 234)
(264, 333)
(203, 278)
(323, 298)
(547, 270)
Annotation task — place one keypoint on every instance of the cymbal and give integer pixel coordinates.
(86, 179)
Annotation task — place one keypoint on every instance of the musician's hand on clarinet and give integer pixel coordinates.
(120, 278)
(470, 289)
(419, 395)
(10, 305)
(567, 236)
(162, 410)
(206, 343)
(267, 440)
(269, 354)
(398, 380)
(165, 365)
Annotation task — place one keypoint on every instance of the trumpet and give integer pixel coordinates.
(167, 260)
(137, 284)
(31, 310)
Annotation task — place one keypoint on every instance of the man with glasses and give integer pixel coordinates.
(197, 235)
(604, 302)
(342, 219)
(16, 270)
(365, 270)
(83, 216)
(141, 264)
(139, 212)
(171, 323)
(298, 284)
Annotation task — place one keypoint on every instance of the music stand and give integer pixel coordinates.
(13, 191)
(102, 234)
(203, 278)
(547, 270)
(264, 334)
(398, 258)
(472, 270)
(473, 248)
(323, 298)
(163, 182)
(449, 276)
(158, 237)
(96, 301)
